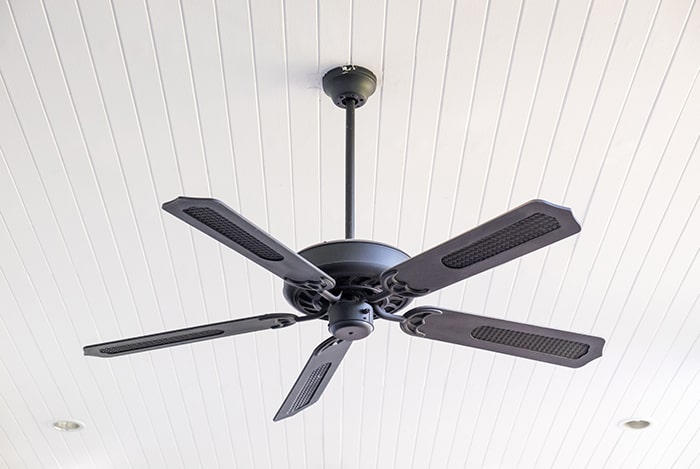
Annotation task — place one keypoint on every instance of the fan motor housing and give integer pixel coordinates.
(355, 265)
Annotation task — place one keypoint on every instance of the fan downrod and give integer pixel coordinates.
(349, 86)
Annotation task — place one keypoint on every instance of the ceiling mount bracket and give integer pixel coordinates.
(349, 82)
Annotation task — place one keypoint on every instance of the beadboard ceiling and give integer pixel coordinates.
(108, 109)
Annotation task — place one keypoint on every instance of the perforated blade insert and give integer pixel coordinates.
(164, 341)
(525, 229)
(498, 335)
(507, 238)
(314, 378)
(189, 335)
(535, 342)
(309, 388)
(212, 217)
(222, 225)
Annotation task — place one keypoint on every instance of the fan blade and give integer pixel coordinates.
(314, 377)
(498, 335)
(188, 335)
(524, 229)
(214, 218)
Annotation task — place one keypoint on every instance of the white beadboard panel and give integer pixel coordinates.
(110, 109)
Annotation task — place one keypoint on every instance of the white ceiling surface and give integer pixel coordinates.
(109, 109)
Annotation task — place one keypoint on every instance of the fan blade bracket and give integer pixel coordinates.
(215, 219)
(391, 284)
(314, 378)
(323, 284)
(524, 229)
(283, 321)
(412, 324)
(498, 335)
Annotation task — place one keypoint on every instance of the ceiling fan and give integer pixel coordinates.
(350, 282)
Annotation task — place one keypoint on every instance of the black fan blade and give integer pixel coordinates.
(314, 377)
(190, 334)
(498, 335)
(524, 229)
(214, 218)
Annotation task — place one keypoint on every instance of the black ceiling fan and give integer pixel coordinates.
(350, 282)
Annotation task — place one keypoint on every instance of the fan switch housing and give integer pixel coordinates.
(350, 320)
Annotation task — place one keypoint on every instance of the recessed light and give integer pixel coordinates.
(67, 425)
(635, 424)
